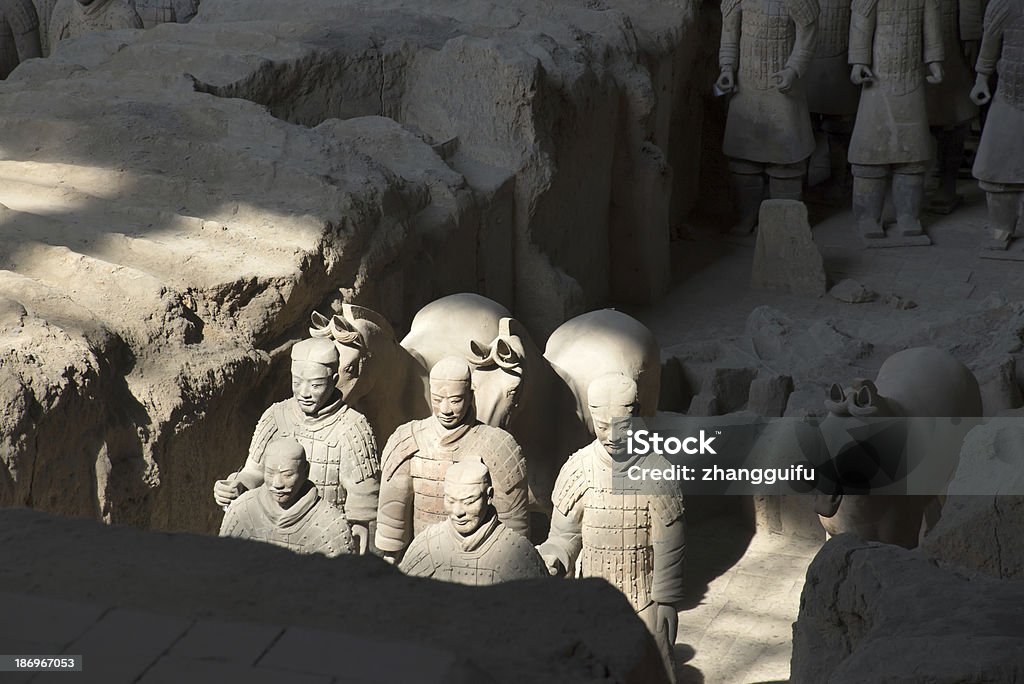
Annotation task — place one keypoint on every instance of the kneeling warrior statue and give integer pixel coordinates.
(288, 510)
(337, 440)
(472, 546)
(420, 452)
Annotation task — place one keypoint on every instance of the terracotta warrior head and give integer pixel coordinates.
(451, 391)
(467, 496)
(613, 401)
(314, 374)
(285, 471)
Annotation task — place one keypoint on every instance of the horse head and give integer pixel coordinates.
(499, 368)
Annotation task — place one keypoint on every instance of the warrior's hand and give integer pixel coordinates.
(668, 621)
(971, 49)
(935, 73)
(554, 566)
(726, 82)
(390, 558)
(361, 533)
(785, 79)
(227, 490)
(861, 75)
(981, 94)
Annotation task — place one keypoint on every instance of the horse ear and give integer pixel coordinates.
(344, 332)
(836, 394)
(320, 325)
(867, 395)
(480, 353)
(354, 312)
(339, 324)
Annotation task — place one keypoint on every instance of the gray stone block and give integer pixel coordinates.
(769, 395)
(785, 257)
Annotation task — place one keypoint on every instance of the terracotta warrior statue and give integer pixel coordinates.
(337, 440)
(999, 165)
(73, 18)
(288, 510)
(420, 452)
(153, 12)
(630, 534)
(950, 110)
(44, 10)
(891, 43)
(472, 546)
(766, 48)
(831, 97)
(19, 34)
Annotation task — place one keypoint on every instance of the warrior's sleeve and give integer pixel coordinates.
(229, 523)
(184, 10)
(511, 508)
(520, 560)
(251, 474)
(729, 52)
(59, 20)
(669, 539)
(417, 561)
(335, 535)
(132, 18)
(394, 509)
(507, 467)
(863, 15)
(970, 17)
(361, 477)
(992, 38)
(804, 14)
(237, 519)
(565, 540)
(934, 46)
(21, 16)
(28, 45)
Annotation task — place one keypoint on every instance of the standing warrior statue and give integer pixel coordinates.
(73, 18)
(288, 510)
(420, 452)
(831, 97)
(44, 10)
(766, 47)
(153, 12)
(19, 34)
(472, 546)
(999, 166)
(336, 438)
(950, 109)
(890, 42)
(628, 533)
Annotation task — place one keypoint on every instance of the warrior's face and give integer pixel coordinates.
(284, 475)
(467, 505)
(312, 385)
(450, 402)
(611, 426)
